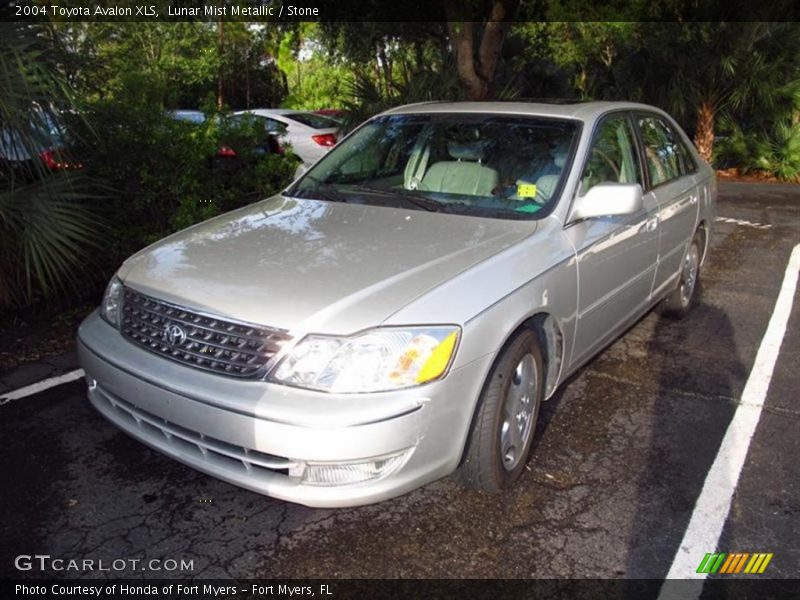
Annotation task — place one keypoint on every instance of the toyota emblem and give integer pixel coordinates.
(174, 334)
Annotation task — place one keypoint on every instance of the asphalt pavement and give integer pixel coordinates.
(621, 455)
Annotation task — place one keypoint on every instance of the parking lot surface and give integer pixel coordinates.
(621, 454)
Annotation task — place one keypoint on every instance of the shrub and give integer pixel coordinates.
(164, 174)
(775, 153)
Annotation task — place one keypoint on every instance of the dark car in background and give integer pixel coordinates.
(45, 147)
(228, 153)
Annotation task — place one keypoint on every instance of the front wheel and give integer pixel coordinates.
(679, 302)
(503, 427)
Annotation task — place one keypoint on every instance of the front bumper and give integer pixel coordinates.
(262, 436)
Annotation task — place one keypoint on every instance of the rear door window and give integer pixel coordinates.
(666, 156)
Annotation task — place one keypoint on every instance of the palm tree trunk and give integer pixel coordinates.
(704, 132)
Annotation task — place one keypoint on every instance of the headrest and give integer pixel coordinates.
(473, 151)
(559, 154)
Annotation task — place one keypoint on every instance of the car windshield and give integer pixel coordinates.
(313, 120)
(476, 164)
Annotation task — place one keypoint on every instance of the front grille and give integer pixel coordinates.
(198, 445)
(198, 340)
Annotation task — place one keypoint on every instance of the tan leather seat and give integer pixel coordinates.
(464, 175)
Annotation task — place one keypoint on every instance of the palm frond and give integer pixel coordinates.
(47, 223)
(48, 233)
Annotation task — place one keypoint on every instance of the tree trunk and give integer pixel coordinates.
(462, 36)
(376, 67)
(419, 54)
(704, 132)
(476, 72)
(220, 44)
(247, 81)
(386, 67)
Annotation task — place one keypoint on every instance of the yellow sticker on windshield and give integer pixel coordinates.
(526, 190)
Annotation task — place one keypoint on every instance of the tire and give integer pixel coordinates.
(678, 304)
(495, 456)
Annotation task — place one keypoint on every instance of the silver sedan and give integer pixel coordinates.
(403, 309)
(310, 135)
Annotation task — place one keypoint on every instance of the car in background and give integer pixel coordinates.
(404, 308)
(45, 146)
(310, 135)
(227, 150)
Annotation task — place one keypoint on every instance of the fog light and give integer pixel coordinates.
(316, 473)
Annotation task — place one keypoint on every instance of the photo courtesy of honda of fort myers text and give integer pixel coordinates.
(176, 591)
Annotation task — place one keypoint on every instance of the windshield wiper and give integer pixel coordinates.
(321, 191)
(407, 196)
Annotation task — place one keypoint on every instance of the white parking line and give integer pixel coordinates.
(743, 222)
(40, 386)
(714, 503)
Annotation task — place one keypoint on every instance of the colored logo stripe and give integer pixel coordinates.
(734, 563)
(758, 563)
(711, 562)
(723, 562)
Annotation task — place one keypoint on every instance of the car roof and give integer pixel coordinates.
(270, 111)
(584, 111)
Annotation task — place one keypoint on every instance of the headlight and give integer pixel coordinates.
(112, 302)
(382, 359)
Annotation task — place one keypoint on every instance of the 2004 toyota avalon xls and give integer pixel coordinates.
(402, 310)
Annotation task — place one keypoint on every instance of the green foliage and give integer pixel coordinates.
(47, 228)
(776, 153)
(368, 99)
(166, 174)
(316, 83)
(588, 53)
(181, 61)
(783, 157)
(706, 74)
(47, 232)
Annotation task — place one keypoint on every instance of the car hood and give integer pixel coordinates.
(308, 265)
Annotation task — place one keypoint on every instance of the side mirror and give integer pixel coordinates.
(607, 199)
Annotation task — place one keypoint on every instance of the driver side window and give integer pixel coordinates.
(612, 158)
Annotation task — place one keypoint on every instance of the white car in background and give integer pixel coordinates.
(310, 135)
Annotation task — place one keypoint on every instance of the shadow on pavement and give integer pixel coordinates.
(686, 430)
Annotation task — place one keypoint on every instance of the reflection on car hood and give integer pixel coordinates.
(308, 265)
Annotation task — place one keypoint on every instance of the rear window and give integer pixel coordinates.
(188, 116)
(313, 120)
(666, 156)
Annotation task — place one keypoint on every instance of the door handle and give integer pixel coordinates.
(651, 225)
(693, 199)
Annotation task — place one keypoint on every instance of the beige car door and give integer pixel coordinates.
(672, 177)
(616, 255)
